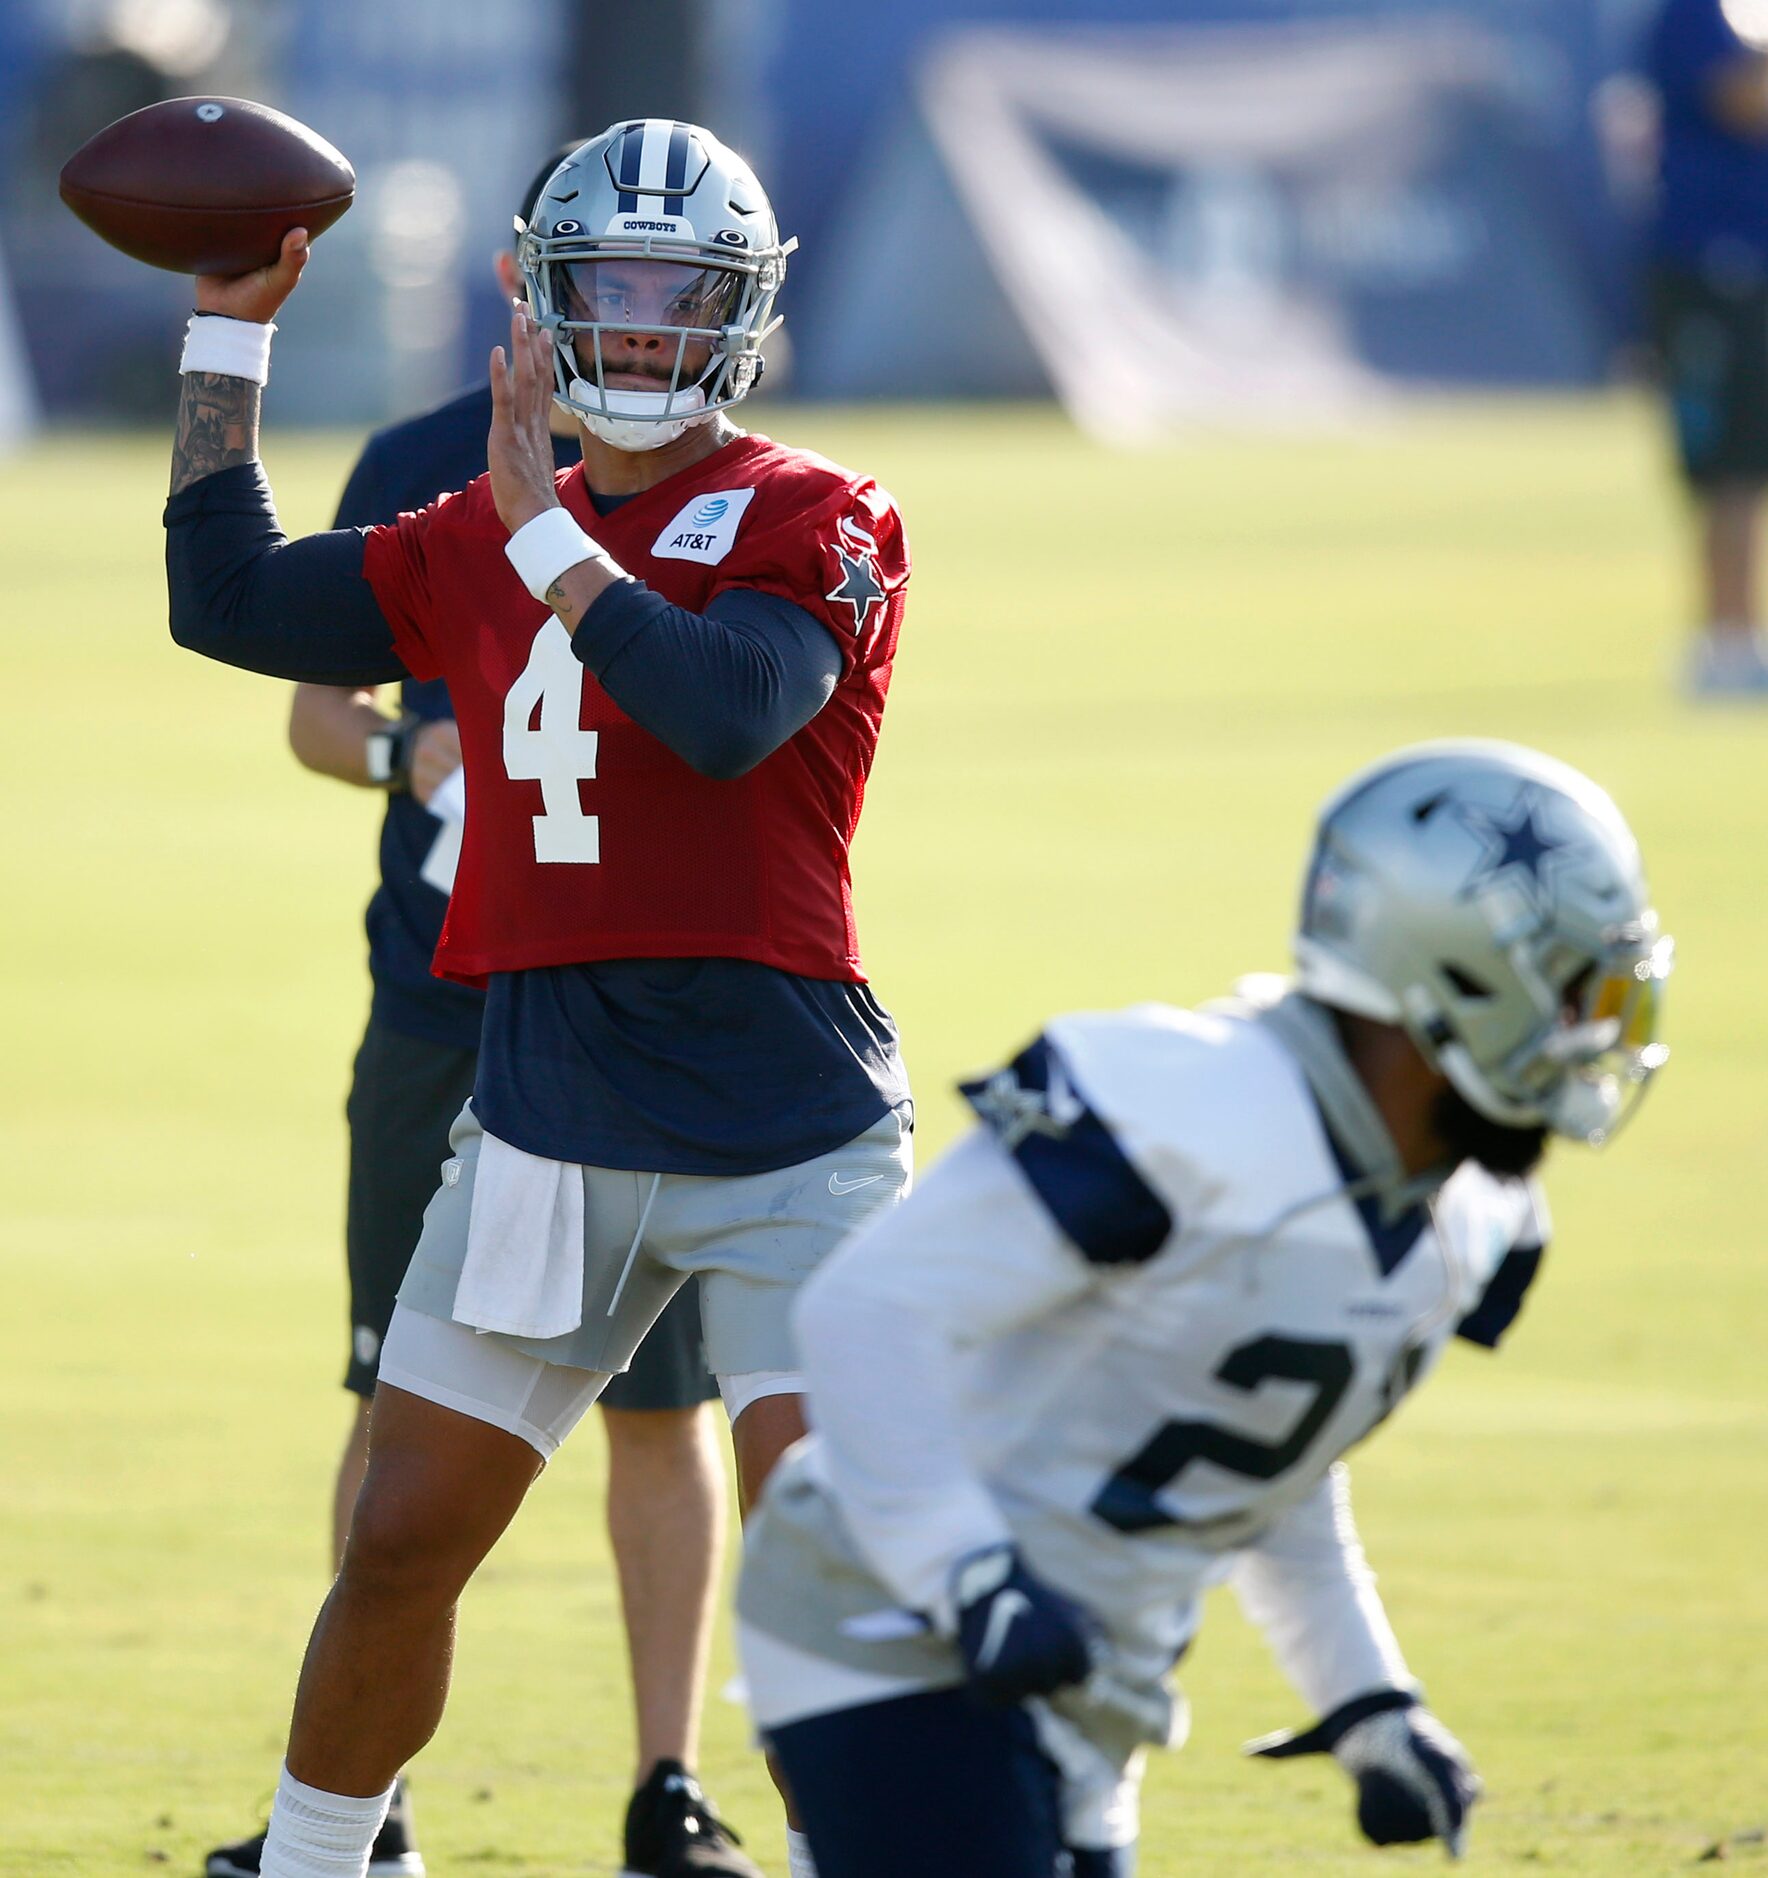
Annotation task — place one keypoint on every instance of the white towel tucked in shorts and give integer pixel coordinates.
(523, 1272)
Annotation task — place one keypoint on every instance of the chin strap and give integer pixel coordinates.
(635, 420)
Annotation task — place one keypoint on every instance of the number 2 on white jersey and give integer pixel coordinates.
(544, 742)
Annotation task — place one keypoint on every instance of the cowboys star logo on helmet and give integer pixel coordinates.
(653, 258)
(1518, 841)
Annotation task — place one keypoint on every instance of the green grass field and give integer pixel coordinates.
(1124, 684)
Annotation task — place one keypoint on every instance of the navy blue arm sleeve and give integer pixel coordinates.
(240, 591)
(724, 688)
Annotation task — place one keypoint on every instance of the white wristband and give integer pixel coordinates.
(229, 348)
(542, 549)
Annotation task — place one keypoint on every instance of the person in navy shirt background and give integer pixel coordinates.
(1709, 293)
(413, 1072)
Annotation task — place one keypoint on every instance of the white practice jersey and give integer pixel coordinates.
(1130, 1323)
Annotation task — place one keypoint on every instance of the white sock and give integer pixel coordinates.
(799, 1863)
(321, 1835)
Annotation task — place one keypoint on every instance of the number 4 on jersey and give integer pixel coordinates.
(544, 741)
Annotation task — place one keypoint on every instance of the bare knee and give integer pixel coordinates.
(399, 1544)
(439, 1491)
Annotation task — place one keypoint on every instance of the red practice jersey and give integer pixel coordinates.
(587, 837)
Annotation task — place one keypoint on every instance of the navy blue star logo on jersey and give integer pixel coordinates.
(859, 586)
(1519, 842)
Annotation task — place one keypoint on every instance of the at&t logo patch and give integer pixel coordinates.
(706, 528)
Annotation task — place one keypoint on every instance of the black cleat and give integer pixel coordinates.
(393, 1855)
(672, 1831)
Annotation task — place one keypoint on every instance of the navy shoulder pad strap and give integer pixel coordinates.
(1073, 1162)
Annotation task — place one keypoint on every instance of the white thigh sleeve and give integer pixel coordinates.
(478, 1374)
(750, 1385)
(1308, 1587)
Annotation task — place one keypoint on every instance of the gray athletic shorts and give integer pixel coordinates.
(404, 1096)
(750, 1239)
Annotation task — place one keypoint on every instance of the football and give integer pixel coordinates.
(206, 185)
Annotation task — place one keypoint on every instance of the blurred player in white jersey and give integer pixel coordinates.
(1112, 1350)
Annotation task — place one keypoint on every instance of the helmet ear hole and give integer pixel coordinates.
(1465, 983)
(1423, 811)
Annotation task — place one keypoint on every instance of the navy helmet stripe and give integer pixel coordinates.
(632, 148)
(675, 171)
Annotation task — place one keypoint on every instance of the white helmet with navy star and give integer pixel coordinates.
(1492, 901)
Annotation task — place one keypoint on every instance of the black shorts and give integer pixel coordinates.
(404, 1096)
(1711, 334)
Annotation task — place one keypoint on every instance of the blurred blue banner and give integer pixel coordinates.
(1444, 211)
(1296, 204)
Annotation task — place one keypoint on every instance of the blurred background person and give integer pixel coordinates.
(1709, 293)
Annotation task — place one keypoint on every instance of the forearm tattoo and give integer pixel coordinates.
(561, 602)
(217, 426)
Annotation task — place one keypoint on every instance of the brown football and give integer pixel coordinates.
(206, 185)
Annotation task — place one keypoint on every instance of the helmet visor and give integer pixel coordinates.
(1612, 1050)
(1629, 1000)
(649, 295)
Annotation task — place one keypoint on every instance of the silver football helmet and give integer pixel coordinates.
(653, 257)
(1492, 901)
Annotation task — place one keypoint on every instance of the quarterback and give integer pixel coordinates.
(1111, 1351)
(668, 667)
